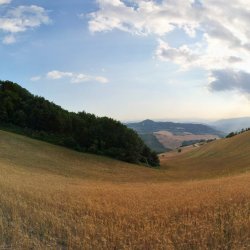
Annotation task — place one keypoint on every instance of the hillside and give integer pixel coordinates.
(41, 157)
(22, 112)
(172, 135)
(221, 157)
(224, 156)
(56, 198)
(154, 143)
(232, 125)
(149, 126)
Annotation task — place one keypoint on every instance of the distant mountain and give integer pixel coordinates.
(171, 135)
(232, 125)
(149, 126)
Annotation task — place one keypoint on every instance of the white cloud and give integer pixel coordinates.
(146, 17)
(21, 19)
(10, 39)
(35, 78)
(75, 77)
(219, 28)
(183, 55)
(5, 1)
(58, 74)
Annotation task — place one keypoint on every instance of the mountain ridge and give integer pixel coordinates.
(150, 126)
(172, 135)
(232, 124)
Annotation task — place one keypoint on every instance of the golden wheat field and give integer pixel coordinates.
(54, 198)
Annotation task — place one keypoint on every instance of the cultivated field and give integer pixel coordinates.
(169, 140)
(60, 199)
(219, 158)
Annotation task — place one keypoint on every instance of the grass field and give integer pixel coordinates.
(54, 198)
(218, 158)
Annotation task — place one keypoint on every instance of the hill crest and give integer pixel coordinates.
(34, 116)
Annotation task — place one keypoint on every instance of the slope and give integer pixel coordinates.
(41, 119)
(149, 126)
(232, 125)
(56, 198)
(217, 158)
(170, 135)
(21, 152)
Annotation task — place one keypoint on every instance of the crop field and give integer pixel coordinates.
(218, 158)
(54, 198)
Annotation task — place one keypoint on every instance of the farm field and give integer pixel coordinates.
(218, 158)
(55, 198)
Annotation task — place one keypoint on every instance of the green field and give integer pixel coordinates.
(55, 198)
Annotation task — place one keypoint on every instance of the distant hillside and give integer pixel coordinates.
(149, 126)
(232, 125)
(22, 112)
(152, 142)
(221, 157)
(172, 135)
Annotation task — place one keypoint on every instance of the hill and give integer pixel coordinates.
(232, 125)
(154, 143)
(22, 112)
(149, 126)
(56, 198)
(41, 157)
(172, 135)
(217, 158)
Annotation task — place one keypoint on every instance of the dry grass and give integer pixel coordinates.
(169, 140)
(219, 158)
(56, 207)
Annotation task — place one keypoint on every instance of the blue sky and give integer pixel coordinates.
(131, 60)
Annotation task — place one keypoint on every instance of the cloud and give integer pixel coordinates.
(10, 39)
(21, 19)
(143, 17)
(217, 31)
(58, 74)
(5, 1)
(76, 78)
(183, 55)
(223, 80)
(35, 78)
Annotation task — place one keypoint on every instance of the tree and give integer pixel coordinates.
(45, 120)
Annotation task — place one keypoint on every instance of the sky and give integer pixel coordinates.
(131, 59)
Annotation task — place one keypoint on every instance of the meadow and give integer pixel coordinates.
(55, 198)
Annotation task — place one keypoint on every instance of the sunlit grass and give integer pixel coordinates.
(224, 157)
(85, 206)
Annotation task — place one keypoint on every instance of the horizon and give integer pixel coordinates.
(186, 62)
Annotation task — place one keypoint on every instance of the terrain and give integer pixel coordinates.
(232, 125)
(36, 117)
(169, 135)
(53, 197)
(217, 158)
(171, 141)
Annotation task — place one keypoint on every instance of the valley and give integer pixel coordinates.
(52, 197)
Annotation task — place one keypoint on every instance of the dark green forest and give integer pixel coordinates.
(24, 113)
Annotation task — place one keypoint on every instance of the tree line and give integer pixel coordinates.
(36, 117)
(232, 134)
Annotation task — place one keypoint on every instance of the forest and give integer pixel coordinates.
(34, 116)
